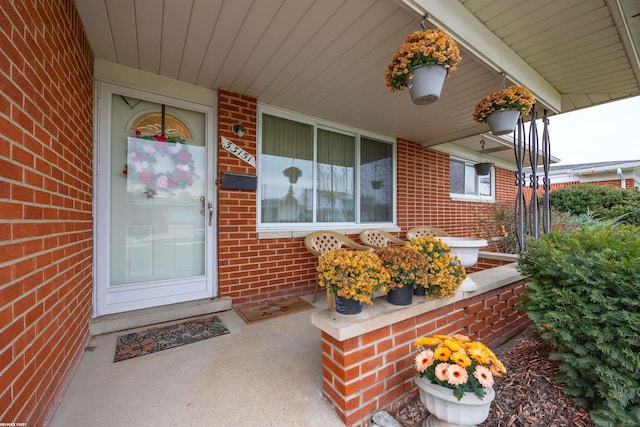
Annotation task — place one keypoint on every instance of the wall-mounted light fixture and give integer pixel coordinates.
(238, 129)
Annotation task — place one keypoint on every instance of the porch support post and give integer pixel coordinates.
(546, 160)
(529, 222)
(534, 215)
(520, 205)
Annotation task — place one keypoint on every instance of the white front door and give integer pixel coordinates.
(155, 216)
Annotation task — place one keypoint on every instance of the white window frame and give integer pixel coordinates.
(269, 230)
(472, 197)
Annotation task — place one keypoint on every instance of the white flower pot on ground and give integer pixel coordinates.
(447, 411)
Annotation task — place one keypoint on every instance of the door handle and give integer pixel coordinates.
(210, 204)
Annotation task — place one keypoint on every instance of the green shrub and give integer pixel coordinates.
(601, 201)
(584, 294)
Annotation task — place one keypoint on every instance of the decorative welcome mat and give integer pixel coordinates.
(153, 340)
(273, 309)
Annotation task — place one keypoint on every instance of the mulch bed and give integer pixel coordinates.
(526, 396)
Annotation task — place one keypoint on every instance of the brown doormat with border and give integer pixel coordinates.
(153, 340)
(273, 309)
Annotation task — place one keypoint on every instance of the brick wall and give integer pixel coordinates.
(424, 194)
(485, 263)
(374, 371)
(46, 149)
(253, 270)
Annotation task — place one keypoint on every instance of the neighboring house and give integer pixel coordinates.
(622, 174)
(84, 237)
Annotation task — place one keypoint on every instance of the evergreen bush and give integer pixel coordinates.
(584, 294)
(601, 201)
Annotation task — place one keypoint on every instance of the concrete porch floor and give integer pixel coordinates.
(268, 373)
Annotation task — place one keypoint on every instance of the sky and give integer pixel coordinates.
(608, 132)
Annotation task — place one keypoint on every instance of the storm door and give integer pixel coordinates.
(156, 216)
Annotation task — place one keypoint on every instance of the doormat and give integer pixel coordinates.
(153, 340)
(273, 309)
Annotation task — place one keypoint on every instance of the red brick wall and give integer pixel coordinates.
(46, 149)
(486, 263)
(630, 183)
(610, 183)
(253, 270)
(374, 371)
(424, 196)
(559, 185)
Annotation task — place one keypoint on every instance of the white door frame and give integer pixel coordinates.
(110, 301)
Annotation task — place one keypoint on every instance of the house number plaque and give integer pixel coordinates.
(238, 152)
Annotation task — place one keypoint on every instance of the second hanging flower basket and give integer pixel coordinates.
(502, 109)
(422, 63)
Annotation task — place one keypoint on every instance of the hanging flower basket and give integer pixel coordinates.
(432, 47)
(483, 169)
(502, 109)
(503, 122)
(425, 83)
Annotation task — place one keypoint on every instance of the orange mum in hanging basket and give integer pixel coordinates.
(420, 48)
(509, 98)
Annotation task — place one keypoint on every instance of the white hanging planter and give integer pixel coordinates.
(425, 83)
(503, 122)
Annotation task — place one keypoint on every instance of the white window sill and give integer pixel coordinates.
(468, 198)
(289, 233)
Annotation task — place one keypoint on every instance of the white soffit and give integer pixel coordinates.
(626, 15)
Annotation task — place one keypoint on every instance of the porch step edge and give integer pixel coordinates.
(166, 313)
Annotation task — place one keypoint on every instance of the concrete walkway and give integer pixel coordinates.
(268, 373)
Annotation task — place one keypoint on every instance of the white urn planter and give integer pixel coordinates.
(466, 249)
(503, 122)
(447, 411)
(425, 83)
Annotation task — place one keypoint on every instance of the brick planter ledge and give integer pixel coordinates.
(367, 359)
